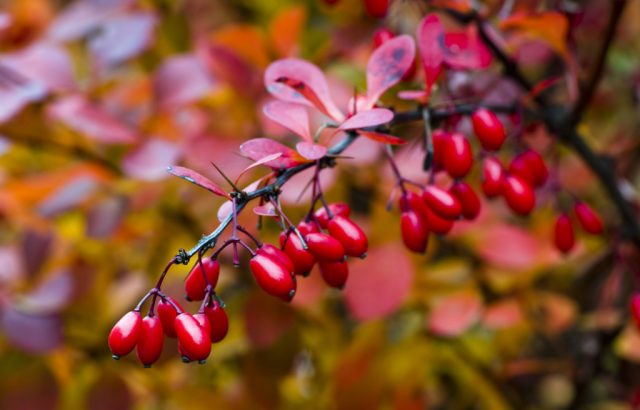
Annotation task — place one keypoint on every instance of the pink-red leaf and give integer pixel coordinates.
(181, 80)
(311, 151)
(455, 314)
(265, 210)
(383, 138)
(262, 161)
(198, 179)
(465, 50)
(293, 117)
(122, 37)
(258, 148)
(368, 118)
(430, 37)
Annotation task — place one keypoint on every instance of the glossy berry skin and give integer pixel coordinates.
(440, 140)
(488, 129)
(468, 199)
(438, 224)
(381, 36)
(195, 284)
(519, 195)
(348, 233)
(415, 232)
(337, 209)
(563, 235)
(325, 248)
(589, 219)
(218, 320)
(634, 308)
(273, 277)
(377, 8)
(530, 166)
(441, 202)
(306, 227)
(194, 343)
(149, 347)
(167, 315)
(302, 260)
(493, 176)
(412, 201)
(458, 156)
(275, 253)
(203, 321)
(125, 334)
(335, 274)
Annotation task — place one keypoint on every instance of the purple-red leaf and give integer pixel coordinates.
(293, 117)
(265, 210)
(368, 118)
(261, 161)
(311, 151)
(430, 37)
(258, 148)
(387, 65)
(383, 138)
(465, 50)
(149, 161)
(181, 80)
(301, 82)
(195, 178)
(122, 37)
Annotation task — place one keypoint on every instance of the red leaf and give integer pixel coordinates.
(230, 68)
(502, 314)
(465, 50)
(293, 117)
(149, 161)
(387, 65)
(513, 248)
(261, 161)
(368, 118)
(258, 148)
(301, 82)
(455, 314)
(195, 178)
(310, 150)
(265, 210)
(181, 80)
(383, 138)
(121, 38)
(430, 37)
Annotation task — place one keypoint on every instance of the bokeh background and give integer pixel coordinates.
(97, 97)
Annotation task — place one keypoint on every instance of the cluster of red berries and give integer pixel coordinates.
(589, 220)
(375, 8)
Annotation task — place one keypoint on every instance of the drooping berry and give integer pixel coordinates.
(441, 202)
(125, 334)
(415, 232)
(440, 140)
(412, 201)
(488, 129)
(458, 156)
(336, 208)
(271, 251)
(218, 320)
(167, 314)
(376, 8)
(564, 237)
(325, 248)
(149, 346)
(468, 199)
(302, 260)
(273, 277)
(203, 321)
(438, 224)
(519, 195)
(536, 172)
(194, 343)
(349, 234)
(381, 36)
(306, 227)
(589, 219)
(492, 177)
(195, 283)
(634, 307)
(335, 274)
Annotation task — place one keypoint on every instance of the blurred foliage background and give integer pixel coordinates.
(97, 97)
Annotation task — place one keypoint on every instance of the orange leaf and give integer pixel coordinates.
(285, 29)
(245, 41)
(550, 27)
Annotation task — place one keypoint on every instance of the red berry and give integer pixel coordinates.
(349, 234)
(218, 320)
(468, 199)
(302, 260)
(305, 227)
(519, 167)
(415, 232)
(438, 224)
(492, 177)
(193, 341)
(273, 277)
(203, 321)
(588, 218)
(195, 283)
(167, 314)
(336, 208)
(412, 201)
(537, 166)
(519, 195)
(381, 36)
(488, 129)
(324, 247)
(440, 140)
(377, 8)
(149, 345)
(125, 334)
(564, 237)
(458, 156)
(441, 202)
(275, 253)
(335, 274)
(634, 307)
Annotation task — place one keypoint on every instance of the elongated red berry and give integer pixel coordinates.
(306, 227)
(519, 195)
(634, 308)
(458, 156)
(381, 36)
(194, 343)
(149, 346)
(441, 202)
(376, 8)
(125, 334)
(468, 199)
(336, 208)
(488, 129)
(438, 224)
(195, 283)
(519, 167)
(335, 274)
(167, 314)
(273, 277)
(203, 321)
(492, 177)
(324, 247)
(589, 219)
(348, 233)
(302, 260)
(415, 232)
(218, 320)
(563, 235)
(536, 164)
(271, 251)
(412, 201)
(440, 139)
